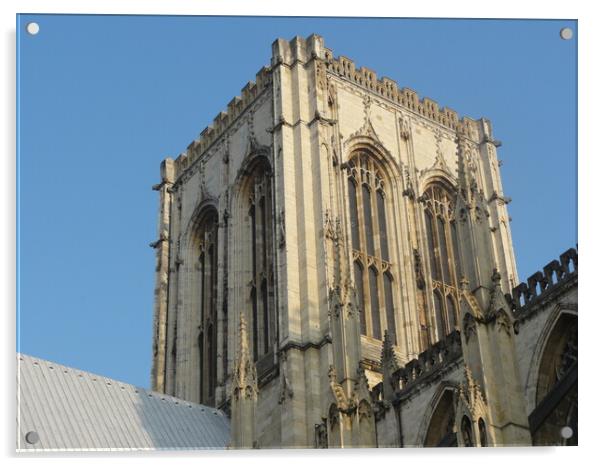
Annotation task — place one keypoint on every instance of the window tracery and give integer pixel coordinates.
(261, 236)
(444, 256)
(373, 276)
(207, 340)
(467, 435)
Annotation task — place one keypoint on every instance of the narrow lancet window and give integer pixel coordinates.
(374, 303)
(355, 227)
(390, 308)
(368, 220)
(359, 286)
(207, 287)
(261, 239)
(382, 226)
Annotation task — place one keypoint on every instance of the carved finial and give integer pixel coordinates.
(464, 283)
(332, 374)
(245, 375)
(387, 353)
(389, 365)
(242, 334)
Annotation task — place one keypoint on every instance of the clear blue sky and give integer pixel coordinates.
(103, 99)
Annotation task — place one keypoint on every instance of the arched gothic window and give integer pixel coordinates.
(374, 281)
(467, 435)
(441, 432)
(482, 433)
(556, 390)
(444, 257)
(207, 340)
(261, 237)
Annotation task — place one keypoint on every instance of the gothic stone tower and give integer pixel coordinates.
(327, 229)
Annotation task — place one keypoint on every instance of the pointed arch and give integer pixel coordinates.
(201, 248)
(467, 433)
(441, 238)
(254, 250)
(556, 382)
(367, 428)
(483, 437)
(438, 425)
(334, 426)
(371, 193)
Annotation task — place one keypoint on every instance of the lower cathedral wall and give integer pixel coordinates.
(532, 336)
(416, 409)
(268, 415)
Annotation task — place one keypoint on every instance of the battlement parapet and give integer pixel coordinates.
(541, 283)
(300, 50)
(283, 51)
(429, 362)
(224, 119)
(389, 89)
(297, 49)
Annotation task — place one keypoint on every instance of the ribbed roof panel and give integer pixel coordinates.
(71, 409)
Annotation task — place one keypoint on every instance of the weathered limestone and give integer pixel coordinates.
(324, 310)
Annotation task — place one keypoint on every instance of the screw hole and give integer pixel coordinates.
(32, 28)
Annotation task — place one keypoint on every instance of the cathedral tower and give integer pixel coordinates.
(327, 229)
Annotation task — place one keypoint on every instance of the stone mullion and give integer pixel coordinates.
(443, 287)
(269, 222)
(359, 193)
(208, 317)
(416, 221)
(415, 234)
(377, 252)
(259, 272)
(214, 314)
(435, 253)
(204, 353)
(451, 263)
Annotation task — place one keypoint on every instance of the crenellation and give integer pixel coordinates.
(428, 362)
(297, 49)
(224, 119)
(555, 273)
(390, 90)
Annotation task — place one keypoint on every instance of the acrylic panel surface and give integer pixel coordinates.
(102, 100)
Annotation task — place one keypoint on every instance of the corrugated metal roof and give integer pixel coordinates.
(70, 409)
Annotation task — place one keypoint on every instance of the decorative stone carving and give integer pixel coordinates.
(244, 383)
(471, 395)
(343, 403)
(469, 326)
(332, 95)
(286, 390)
(503, 323)
(364, 411)
(419, 270)
(335, 153)
(389, 366)
(404, 129)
